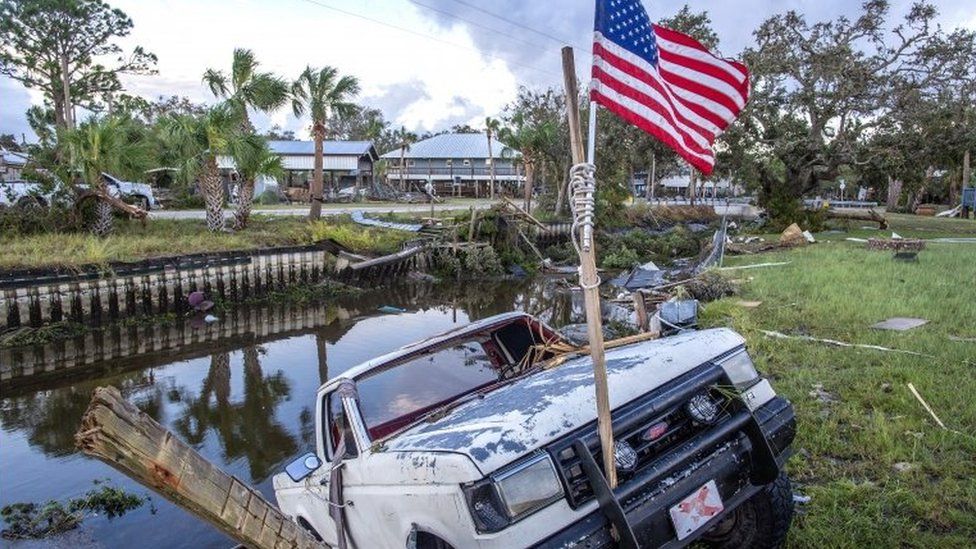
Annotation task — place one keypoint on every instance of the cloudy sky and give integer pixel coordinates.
(427, 64)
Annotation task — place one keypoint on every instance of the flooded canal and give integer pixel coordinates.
(240, 390)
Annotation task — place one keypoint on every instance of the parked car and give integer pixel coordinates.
(499, 447)
(25, 194)
(140, 194)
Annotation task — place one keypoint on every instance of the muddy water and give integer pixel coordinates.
(243, 400)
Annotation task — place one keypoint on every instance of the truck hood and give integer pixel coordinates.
(517, 418)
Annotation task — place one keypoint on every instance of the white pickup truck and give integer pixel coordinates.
(30, 193)
(500, 448)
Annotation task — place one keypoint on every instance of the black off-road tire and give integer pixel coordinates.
(762, 522)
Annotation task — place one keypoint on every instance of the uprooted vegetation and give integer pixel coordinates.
(35, 521)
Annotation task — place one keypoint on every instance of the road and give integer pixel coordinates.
(331, 209)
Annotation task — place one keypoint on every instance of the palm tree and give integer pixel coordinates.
(322, 92)
(492, 125)
(100, 145)
(405, 139)
(201, 140)
(253, 161)
(531, 140)
(246, 88)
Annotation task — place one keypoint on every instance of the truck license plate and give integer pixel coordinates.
(694, 511)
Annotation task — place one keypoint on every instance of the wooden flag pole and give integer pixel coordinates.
(588, 276)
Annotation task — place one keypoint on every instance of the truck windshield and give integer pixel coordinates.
(393, 398)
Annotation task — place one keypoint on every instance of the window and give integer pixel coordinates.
(488, 161)
(449, 162)
(467, 162)
(410, 163)
(393, 398)
(338, 424)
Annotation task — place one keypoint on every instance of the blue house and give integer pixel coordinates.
(457, 164)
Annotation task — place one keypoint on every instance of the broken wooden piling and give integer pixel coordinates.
(116, 432)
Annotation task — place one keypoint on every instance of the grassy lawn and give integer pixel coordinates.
(859, 424)
(167, 237)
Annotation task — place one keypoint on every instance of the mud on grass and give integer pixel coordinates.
(879, 471)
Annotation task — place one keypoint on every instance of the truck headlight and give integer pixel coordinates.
(510, 494)
(740, 369)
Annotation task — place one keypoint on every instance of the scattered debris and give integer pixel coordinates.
(210, 319)
(643, 276)
(902, 467)
(755, 266)
(900, 324)
(709, 286)
(199, 302)
(895, 236)
(748, 304)
(963, 339)
(780, 335)
(359, 217)
(822, 396)
(927, 407)
(391, 310)
(954, 212)
(809, 237)
(853, 239)
(896, 244)
(679, 314)
(35, 521)
(577, 334)
(792, 236)
(800, 499)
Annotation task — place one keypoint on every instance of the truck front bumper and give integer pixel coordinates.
(741, 456)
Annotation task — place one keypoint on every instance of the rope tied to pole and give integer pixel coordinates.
(582, 184)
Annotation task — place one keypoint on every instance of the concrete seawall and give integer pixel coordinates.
(98, 294)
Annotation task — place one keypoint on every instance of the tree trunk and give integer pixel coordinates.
(562, 183)
(315, 210)
(103, 219)
(69, 119)
(526, 186)
(894, 193)
(213, 194)
(967, 174)
(491, 169)
(245, 201)
(116, 432)
(692, 186)
(649, 189)
(403, 150)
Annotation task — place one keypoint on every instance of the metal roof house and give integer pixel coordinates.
(344, 163)
(12, 164)
(456, 163)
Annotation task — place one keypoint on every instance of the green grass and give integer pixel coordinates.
(847, 448)
(133, 241)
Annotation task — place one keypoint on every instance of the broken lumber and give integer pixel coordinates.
(755, 266)
(926, 406)
(836, 343)
(119, 434)
(869, 215)
(896, 244)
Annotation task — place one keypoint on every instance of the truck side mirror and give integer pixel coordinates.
(303, 466)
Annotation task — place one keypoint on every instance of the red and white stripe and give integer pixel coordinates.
(686, 102)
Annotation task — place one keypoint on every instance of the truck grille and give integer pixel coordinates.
(651, 436)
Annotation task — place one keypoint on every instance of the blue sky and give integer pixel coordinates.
(426, 70)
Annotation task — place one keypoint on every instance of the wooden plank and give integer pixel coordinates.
(116, 432)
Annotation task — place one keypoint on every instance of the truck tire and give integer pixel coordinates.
(760, 523)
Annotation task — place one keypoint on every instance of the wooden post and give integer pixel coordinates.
(474, 220)
(640, 308)
(117, 433)
(588, 280)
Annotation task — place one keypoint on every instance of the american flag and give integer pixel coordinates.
(664, 82)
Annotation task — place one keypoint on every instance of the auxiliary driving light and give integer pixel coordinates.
(702, 408)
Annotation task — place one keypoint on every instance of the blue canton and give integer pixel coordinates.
(625, 22)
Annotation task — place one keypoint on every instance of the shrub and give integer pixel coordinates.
(268, 198)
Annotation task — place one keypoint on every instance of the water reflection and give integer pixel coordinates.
(240, 391)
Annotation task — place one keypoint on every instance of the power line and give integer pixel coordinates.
(520, 25)
(429, 37)
(479, 25)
